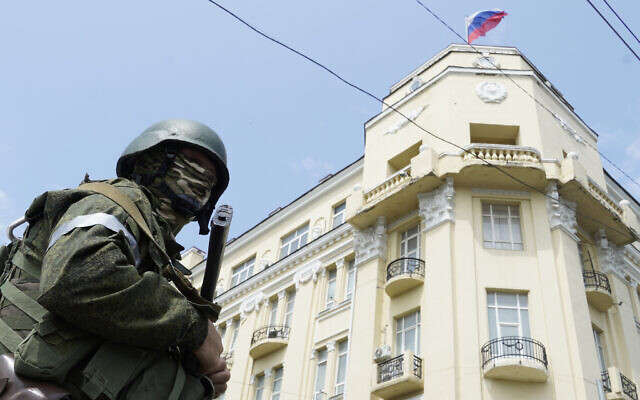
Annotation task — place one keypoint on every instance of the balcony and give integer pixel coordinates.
(403, 275)
(398, 376)
(268, 339)
(501, 154)
(598, 289)
(515, 358)
(388, 186)
(617, 386)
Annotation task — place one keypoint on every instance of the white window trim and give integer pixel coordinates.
(276, 379)
(403, 332)
(245, 268)
(496, 306)
(340, 214)
(295, 236)
(517, 246)
(404, 241)
(344, 353)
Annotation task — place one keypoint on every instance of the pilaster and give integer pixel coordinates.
(437, 206)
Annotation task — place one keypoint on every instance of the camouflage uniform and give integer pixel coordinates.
(106, 324)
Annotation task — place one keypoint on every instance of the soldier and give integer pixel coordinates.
(107, 325)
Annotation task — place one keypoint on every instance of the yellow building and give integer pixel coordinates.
(506, 268)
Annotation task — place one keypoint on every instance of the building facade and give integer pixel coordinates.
(500, 263)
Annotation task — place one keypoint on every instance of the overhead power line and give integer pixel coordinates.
(553, 114)
(620, 19)
(614, 29)
(380, 100)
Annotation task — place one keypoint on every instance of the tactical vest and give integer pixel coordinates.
(29, 331)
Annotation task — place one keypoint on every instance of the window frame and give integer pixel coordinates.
(259, 386)
(404, 241)
(341, 214)
(492, 243)
(318, 387)
(289, 306)
(499, 324)
(275, 395)
(401, 331)
(332, 280)
(300, 235)
(338, 387)
(245, 267)
(350, 284)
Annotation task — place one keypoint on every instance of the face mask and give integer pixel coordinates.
(188, 180)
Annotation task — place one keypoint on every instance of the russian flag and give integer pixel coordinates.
(482, 22)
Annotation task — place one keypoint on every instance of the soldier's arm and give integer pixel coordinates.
(89, 279)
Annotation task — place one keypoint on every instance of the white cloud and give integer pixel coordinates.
(313, 167)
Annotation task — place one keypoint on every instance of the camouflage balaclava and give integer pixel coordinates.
(185, 177)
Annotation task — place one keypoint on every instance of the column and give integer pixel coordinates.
(437, 310)
(331, 368)
(371, 255)
(570, 335)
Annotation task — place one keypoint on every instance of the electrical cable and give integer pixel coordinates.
(380, 100)
(614, 30)
(620, 19)
(553, 114)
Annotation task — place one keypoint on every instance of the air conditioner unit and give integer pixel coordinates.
(382, 353)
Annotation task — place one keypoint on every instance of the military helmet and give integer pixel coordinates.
(175, 132)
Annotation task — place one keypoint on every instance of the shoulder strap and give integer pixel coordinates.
(121, 199)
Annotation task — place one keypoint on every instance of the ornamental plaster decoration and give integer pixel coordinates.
(253, 303)
(318, 228)
(331, 346)
(416, 83)
(307, 272)
(371, 242)
(491, 92)
(486, 62)
(402, 121)
(611, 256)
(561, 216)
(565, 125)
(266, 259)
(437, 206)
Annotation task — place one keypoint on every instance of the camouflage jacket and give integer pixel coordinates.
(104, 279)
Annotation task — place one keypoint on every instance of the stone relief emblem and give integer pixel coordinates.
(491, 92)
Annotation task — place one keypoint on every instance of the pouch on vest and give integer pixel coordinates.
(52, 348)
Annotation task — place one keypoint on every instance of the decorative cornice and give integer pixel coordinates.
(491, 92)
(561, 212)
(437, 206)
(371, 242)
(611, 257)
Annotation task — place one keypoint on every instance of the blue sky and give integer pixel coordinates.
(79, 80)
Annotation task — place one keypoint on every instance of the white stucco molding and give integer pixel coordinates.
(371, 242)
(491, 92)
(572, 132)
(561, 212)
(307, 272)
(401, 122)
(437, 206)
(252, 303)
(611, 257)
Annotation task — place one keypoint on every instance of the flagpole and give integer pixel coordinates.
(466, 28)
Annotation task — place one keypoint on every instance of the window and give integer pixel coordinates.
(277, 384)
(508, 314)
(597, 337)
(501, 226)
(410, 242)
(223, 330)
(495, 134)
(288, 312)
(338, 213)
(273, 312)
(351, 279)
(259, 386)
(321, 371)
(294, 241)
(331, 288)
(234, 334)
(341, 372)
(408, 333)
(242, 272)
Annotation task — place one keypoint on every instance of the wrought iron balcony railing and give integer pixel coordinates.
(393, 368)
(628, 387)
(597, 280)
(514, 347)
(606, 381)
(405, 266)
(270, 332)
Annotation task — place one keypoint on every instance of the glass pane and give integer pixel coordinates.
(303, 240)
(500, 210)
(399, 344)
(491, 298)
(515, 230)
(501, 227)
(507, 299)
(493, 327)
(509, 330)
(524, 317)
(409, 320)
(322, 368)
(342, 369)
(410, 340)
(523, 300)
(293, 246)
(486, 209)
(486, 229)
(508, 315)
